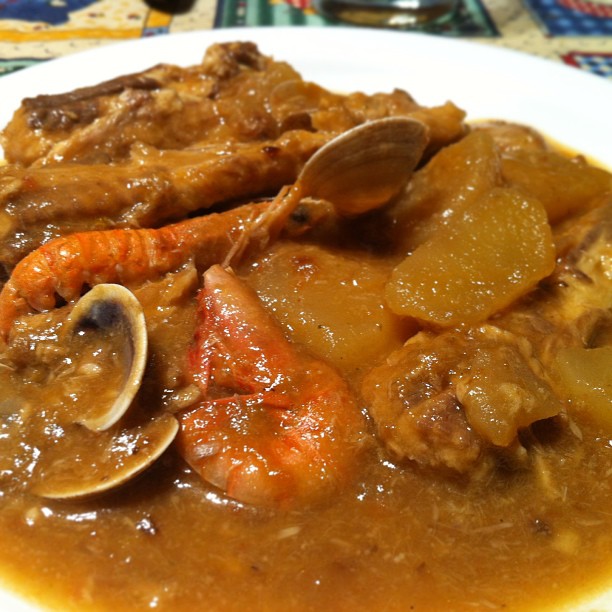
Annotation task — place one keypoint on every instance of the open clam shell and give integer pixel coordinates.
(365, 166)
(87, 464)
(100, 446)
(113, 312)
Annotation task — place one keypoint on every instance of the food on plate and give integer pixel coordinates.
(150, 148)
(264, 342)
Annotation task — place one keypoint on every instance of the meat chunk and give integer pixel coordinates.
(167, 107)
(39, 204)
(236, 94)
(412, 402)
(153, 147)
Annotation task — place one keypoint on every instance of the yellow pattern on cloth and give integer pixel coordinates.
(99, 23)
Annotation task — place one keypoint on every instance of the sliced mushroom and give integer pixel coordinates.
(86, 464)
(113, 312)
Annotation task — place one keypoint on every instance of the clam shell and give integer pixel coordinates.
(86, 466)
(112, 309)
(367, 166)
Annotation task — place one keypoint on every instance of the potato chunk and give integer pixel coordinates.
(455, 177)
(564, 186)
(482, 258)
(586, 374)
(331, 303)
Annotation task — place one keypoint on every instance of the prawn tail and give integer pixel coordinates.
(30, 288)
(61, 268)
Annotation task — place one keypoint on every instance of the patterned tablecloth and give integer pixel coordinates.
(577, 32)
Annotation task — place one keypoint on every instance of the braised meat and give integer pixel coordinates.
(153, 147)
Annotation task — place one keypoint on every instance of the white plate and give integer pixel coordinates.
(568, 105)
(571, 106)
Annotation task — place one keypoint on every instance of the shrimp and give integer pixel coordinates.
(276, 427)
(65, 265)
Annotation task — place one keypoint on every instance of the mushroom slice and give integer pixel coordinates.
(113, 313)
(86, 464)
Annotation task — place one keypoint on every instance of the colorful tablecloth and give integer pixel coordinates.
(577, 32)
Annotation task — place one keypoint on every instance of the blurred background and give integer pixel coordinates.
(576, 32)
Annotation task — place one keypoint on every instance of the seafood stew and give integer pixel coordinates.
(223, 389)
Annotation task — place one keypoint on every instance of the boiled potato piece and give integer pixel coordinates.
(480, 260)
(331, 303)
(458, 175)
(564, 186)
(462, 171)
(586, 375)
(511, 137)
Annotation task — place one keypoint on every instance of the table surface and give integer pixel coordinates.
(575, 32)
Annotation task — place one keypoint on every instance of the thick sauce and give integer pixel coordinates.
(396, 540)
(397, 537)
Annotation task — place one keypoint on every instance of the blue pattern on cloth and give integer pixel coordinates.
(41, 10)
(558, 19)
(597, 63)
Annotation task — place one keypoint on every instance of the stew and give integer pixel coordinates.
(296, 406)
